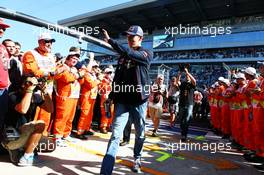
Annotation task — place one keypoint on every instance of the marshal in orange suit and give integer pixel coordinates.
(41, 64)
(258, 113)
(89, 88)
(68, 91)
(106, 110)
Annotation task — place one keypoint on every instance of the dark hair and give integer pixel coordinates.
(17, 43)
(68, 57)
(173, 78)
(6, 40)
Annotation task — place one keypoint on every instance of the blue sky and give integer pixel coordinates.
(52, 11)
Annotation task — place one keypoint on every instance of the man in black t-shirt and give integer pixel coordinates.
(187, 85)
(21, 112)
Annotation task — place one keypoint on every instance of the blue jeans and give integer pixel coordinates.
(137, 114)
(3, 109)
(185, 115)
(127, 130)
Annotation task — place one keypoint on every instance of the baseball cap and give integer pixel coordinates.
(3, 25)
(46, 36)
(75, 49)
(240, 76)
(226, 81)
(215, 84)
(74, 53)
(251, 71)
(222, 79)
(135, 30)
(108, 70)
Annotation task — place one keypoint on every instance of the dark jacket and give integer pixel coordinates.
(132, 69)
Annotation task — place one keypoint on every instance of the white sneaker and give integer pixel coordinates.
(137, 166)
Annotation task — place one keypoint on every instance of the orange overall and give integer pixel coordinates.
(225, 112)
(87, 100)
(104, 90)
(68, 90)
(238, 116)
(258, 114)
(232, 118)
(248, 115)
(39, 64)
(220, 107)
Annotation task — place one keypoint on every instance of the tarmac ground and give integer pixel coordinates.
(203, 154)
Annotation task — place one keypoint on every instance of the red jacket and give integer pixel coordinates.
(4, 79)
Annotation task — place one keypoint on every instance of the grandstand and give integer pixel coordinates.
(239, 44)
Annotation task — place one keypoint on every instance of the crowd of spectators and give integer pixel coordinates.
(233, 21)
(241, 52)
(208, 74)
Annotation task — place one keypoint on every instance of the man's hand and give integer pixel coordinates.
(91, 55)
(82, 72)
(106, 36)
(100, 77)
(31, 83)
(186, 70)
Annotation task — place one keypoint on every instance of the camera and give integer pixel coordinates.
(41, 84)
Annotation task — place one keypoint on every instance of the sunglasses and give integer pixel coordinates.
(48, 41)
(109, 72)
(4, 29)
(76, 55)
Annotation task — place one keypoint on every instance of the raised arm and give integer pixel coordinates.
(142, 56)
(193, 81)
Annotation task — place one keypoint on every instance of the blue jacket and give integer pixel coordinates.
(132, 70)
